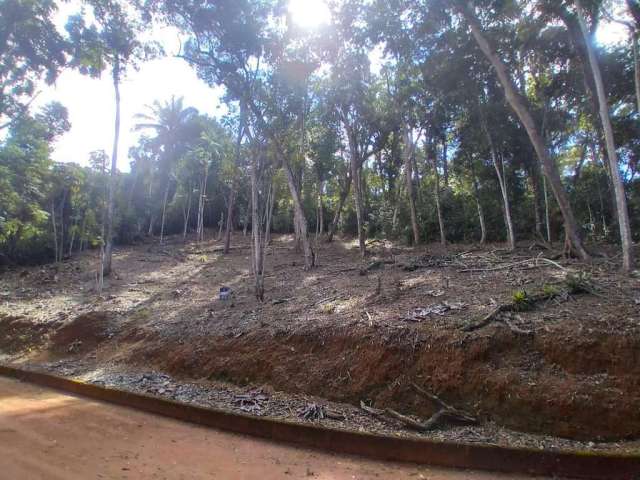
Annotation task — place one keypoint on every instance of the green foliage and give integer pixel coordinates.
(550, 291)
(31, 49)
(521, 300)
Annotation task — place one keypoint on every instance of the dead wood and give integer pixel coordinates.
(516, 329)
(488, 319)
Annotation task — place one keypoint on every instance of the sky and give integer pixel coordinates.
(91, 101)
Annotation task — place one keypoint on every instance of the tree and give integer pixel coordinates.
(618, 187)
(31, 50)
(230, 44)
(112, 41)
(170, 121)
(519, 106)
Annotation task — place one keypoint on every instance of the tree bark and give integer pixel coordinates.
(483, 226)
(187, 214)
(164, 209)
(443, 234)
(636, 69)
(408, 166)
(616, 178)
(546, 210)
(344, 193)
(256, 232)
(55, 231)
(106, 270)
(549, 167)
(309, 255)
(272, 201)
(232, 192)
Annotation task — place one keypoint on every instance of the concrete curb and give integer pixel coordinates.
(586, 465)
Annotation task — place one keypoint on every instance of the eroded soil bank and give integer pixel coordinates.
(568, 367)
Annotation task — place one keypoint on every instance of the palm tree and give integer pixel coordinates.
(169, 121)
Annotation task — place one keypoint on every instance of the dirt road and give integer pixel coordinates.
(48, 435)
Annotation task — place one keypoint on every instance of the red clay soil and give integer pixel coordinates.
(481, 373)
(330, 333)
(49, 435)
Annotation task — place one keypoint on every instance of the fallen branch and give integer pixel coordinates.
(516, 329)
(434, 398)
(489, 318)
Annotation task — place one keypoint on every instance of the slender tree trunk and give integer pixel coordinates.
(309, 255)
(445, 161)
(232, 192)
(272, 201)
(201, 203)
(443, 234)
(55, 231)
(256, 232)
(498, 164)
(408, 164)
(344, 193)
(396, 208)
(537, 201)
(549, 167)
(246, 223)
(164, 209)
(321, 210)
(636, 68)
(73, 237)
(546, 210)
(199, 219)
(614, 169)
(355, 163)
(220, 225)
(112, 180)
(483, 226)
(187, 214)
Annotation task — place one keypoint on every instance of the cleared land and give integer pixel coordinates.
(556, 366)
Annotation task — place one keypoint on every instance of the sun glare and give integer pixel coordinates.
(309, 13)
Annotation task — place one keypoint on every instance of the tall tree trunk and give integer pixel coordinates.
(232, 192)
(220, 225)
(256, 233)
(321, 208)
(498, 164)
(549, 167)
(408, 164)
(201, 203)
(55, 231)
(616, 178)
(112, 180)
(483, 226)
(445, 160)
(636, 68)
(272, 202)
(537, 200)
(309, 255)
(344, 193)
(187, 214)
(547, 218)
(73, 237)
(164, 209)
(443, 234)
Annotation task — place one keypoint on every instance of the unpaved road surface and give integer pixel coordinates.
(48, 435)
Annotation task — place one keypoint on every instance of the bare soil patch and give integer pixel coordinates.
(353, 330)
